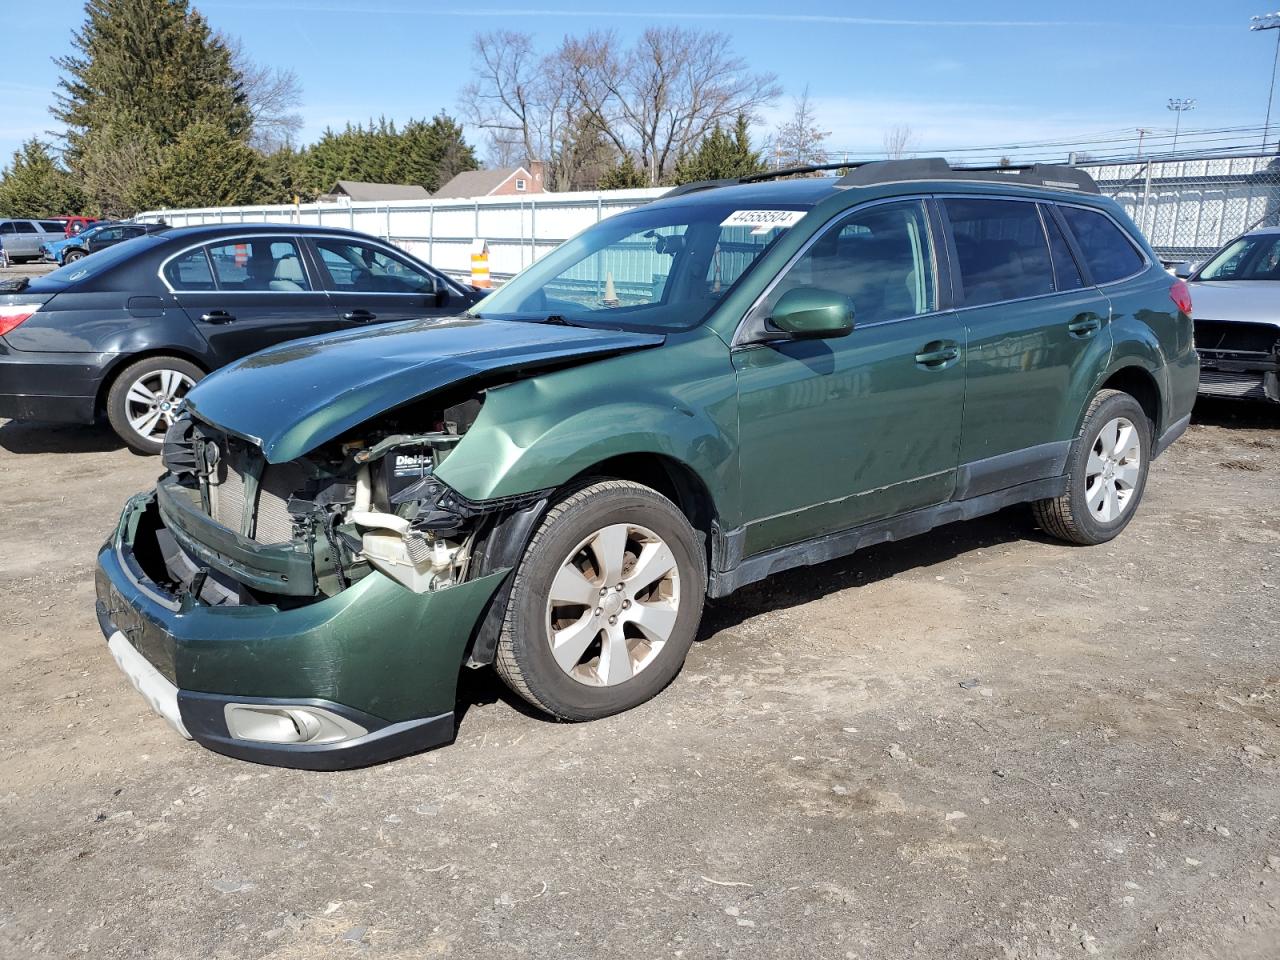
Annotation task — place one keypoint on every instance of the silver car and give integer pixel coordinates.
(22, 238)
(1235, 299)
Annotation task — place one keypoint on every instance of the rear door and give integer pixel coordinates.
(248, 293)
(368, 282)
(1038, 337)
(27, 239)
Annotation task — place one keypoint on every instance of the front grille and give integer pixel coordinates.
(1243, 385)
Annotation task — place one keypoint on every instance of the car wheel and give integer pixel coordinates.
(1106, 473)
(72, 256)
(145, 397)
(605, 603)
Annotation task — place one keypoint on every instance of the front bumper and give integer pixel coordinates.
(381, 659)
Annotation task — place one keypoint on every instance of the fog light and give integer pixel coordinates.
(288, 724)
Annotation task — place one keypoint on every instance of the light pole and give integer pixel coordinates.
(1268, 21)
(1179, 105)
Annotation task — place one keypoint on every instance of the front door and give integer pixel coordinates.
(369, 283)
(837, 433)
(249, 293)
(1038, 337)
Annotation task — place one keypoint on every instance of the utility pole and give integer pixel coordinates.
(1268, 21)
(1179, 105)
(1142, 132)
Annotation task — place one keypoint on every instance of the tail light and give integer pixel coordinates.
(12, 314)
(1179, 293)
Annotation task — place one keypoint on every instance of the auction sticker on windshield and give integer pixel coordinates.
(762, 221)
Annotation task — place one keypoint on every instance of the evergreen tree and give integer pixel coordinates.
(151, 63)
(33, 185)
(425, 153)
(208, 168)
(625, 176)
(721, 155)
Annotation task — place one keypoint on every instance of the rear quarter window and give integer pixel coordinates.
(1107, 250)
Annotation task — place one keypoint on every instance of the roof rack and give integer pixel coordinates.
(863, 173)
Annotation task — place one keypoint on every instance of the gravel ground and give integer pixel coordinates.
(977, 744)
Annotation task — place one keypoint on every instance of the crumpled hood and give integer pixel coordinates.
(293, 397)
(1254, 301)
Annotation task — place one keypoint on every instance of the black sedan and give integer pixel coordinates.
(129, 330)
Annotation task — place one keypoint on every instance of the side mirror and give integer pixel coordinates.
(813, 314)
(1183, 269)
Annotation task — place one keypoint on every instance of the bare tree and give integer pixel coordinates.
(272, 94)
(501, 97)
(660, 98)
(897, 141)
(800, 142)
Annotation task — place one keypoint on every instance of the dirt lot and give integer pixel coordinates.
(817, 783)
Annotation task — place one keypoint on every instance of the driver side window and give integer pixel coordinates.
(880, 257)
(361, 268)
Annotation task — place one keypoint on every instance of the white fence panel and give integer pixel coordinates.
(517, 230)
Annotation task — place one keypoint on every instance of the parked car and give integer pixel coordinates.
(1237, 317)
(56, 250)
(96, 238)
(129, 330)
(691, 396)
(22, 239)
(76, 224)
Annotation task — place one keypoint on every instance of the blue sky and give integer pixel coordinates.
(959, 74)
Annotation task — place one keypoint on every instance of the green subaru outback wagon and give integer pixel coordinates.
(737, 379)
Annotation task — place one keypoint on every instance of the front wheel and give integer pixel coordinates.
(605, 603)
(72, 256)
(1106, 474)
(145, 398)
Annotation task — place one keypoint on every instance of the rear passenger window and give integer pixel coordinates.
(189, 271)
(1065, 271)
(257, 266)
(53, 226)
(879, 257)
(1108, 252)
(1001, 248)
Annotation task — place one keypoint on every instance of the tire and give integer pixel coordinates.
(167, 380)
(1103, 487)
(621, 665)
(72, 256)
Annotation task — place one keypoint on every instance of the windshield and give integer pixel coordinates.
(96, 264)
(1249, 258)
(661, 267)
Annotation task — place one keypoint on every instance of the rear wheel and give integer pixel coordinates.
(605, 603)
(1106, 475)
(145, 397)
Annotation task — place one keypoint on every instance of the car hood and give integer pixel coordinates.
(293, 397)
(1252, 301)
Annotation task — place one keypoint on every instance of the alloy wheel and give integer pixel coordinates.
(153, 401)
(1113, 469)
(613, 605)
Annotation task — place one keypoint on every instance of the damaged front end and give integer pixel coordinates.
(241, 530)
(1239, 359)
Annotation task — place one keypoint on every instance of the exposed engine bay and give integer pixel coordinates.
(233, 528)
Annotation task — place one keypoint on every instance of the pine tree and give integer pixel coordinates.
(625, 176)
(424, 153)
(154, 64)
(207, 168)
(721, 155)
(33, 185)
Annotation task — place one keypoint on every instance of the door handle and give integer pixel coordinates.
(936, 355)
(1085, 325)
(360, 316)
(218, 316)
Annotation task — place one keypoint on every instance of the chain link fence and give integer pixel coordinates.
(1189, 208)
